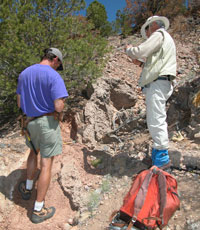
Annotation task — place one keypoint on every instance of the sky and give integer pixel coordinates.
(111, 7)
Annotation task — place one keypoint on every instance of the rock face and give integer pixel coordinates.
(194, 128)
(110, 95)
(70, 182)
(184, 109)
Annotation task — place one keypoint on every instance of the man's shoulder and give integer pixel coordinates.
(45, 70)
(28, 68)
(41, 68)
(163, 32)
(159, 32)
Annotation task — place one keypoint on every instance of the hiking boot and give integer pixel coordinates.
(25, 193)
(160, 157)
(40, 216)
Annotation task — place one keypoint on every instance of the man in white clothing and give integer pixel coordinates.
(157, 56)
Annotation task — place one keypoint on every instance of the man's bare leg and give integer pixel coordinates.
(31, 165)
(25, 187)
(44, 178)
(41, 213)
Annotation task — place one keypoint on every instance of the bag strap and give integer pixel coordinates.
(140, 198)
(163, 193)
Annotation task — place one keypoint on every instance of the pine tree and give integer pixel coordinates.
(28, 27)
(123, 23)
(96, 13)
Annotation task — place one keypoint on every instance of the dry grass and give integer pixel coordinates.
(196, 100)
(180, 26)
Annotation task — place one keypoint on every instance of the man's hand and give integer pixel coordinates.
(137, 62)
(59, 104)
(128, 47)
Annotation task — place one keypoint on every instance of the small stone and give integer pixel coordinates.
(75, 220)
(178, 227)
(98, 191)
(1, 219)
(175, 217)
(187, 207)
(86, 187)
(126, 178)
(121, 171)
(6, 161)
(188, 222)
(70, 221)
(2, 146)
(85, 216)
(74, 228)
(168, 228)
(66, 226)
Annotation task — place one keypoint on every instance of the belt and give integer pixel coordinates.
(55, 114)
(46, 114)
(164, 77)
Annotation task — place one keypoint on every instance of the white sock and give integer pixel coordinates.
(38, 205)
(29, 184)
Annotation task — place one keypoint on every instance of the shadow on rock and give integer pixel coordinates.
(9, 188)
(185, 161)
(101, 163)
(175, 157)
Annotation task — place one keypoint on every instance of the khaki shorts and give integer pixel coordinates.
(46, 136)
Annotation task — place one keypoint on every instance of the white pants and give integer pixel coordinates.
(157, 93)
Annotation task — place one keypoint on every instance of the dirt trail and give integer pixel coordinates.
(18, 211)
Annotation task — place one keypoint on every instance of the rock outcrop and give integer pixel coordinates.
(110, 95)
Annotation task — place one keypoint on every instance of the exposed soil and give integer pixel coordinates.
(17, 212)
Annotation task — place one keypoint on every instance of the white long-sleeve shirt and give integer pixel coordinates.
(147, 48)
(159, 54)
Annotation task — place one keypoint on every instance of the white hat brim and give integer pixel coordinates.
(157, 18)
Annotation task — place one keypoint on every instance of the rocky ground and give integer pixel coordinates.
(105, 143)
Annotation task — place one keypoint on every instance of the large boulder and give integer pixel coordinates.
(109, 96)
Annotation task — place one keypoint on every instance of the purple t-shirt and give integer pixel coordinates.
(38, 86)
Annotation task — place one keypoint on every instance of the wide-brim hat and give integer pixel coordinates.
(153, 19)
(58, 54)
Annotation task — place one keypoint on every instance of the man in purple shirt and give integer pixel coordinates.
(40, 94)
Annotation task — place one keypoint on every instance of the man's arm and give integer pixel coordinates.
(151, 45)
(59, 104)
(18, 100)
